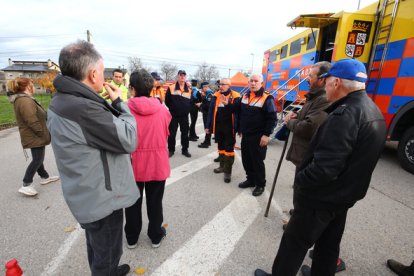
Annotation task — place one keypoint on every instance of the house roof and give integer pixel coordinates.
(27, 67)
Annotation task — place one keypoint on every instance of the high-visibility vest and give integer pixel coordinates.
(158, 93)
(230, 97)
(179, 92)
(253, 100)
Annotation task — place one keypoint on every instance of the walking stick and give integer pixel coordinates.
(277, 174)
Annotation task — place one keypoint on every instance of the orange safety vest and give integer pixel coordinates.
(253, 100)
(158, 93)
(179, 92)
(234, 96)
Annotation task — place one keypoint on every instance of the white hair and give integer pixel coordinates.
(227, 80)
(258, 75)
(353, 85)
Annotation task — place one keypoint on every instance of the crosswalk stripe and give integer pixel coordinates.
(206, 251)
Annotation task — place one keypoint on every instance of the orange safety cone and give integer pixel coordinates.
(13, 269)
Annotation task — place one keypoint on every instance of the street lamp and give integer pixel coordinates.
(252, 61)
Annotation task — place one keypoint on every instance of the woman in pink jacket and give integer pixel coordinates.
(150, 161)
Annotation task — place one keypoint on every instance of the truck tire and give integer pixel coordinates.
(406, 150)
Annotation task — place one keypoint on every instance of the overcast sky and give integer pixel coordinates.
(223, 33)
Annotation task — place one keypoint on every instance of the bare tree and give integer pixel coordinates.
(246, 73)
(206, 72)
(168, 71)
(136, 63)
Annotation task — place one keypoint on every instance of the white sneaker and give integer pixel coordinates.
(132, 246)
(45, 181)
(28, 190)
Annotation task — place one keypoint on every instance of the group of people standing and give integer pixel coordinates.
(109, 152)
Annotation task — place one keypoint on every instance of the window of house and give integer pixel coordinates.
(283, 52)
(311, 40)
(295, 47)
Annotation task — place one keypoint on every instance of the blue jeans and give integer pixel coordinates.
(104, 244)
(38, 156)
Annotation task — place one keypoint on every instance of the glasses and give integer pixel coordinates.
(224, 84)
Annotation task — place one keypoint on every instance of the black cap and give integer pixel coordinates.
(155, 75)
(194, 82)
(204, 84)
(218, 82)
(181, 72)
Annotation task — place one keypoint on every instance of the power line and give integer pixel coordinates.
(41, 35)
(29, 51)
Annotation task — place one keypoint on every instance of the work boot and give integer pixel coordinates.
(204, 145)
(306, 270)
(186, 153)
(401, 269)
(258, 191)
(123, 269)
(227, 177)
(246, 184)
(259, 272)
(217, 159)
(192, 138)
(170, 153)
(219, 170)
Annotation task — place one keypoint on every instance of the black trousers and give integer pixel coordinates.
(193, 116)
(253, 156)
(183, 122)
(38, 156)
(224, 136)
(207, 139)
(307, 227)
(104, 243)
(154, 192)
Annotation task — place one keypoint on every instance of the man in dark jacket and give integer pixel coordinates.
(194, 110)
(92, 140)
(257, 119)
(334, 174)
(204, 105)
(179, 99)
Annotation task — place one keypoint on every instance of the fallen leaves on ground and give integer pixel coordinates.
(165, 225)
(285, 221)
(70, 229)
(184, 171)
(47, 207)
(139, 271)
(284, 211)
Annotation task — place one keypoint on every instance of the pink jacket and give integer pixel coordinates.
(150, 161)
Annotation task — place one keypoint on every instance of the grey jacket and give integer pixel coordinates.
(91, 140)
(310, 117)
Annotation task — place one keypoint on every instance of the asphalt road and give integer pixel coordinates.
(213, 228)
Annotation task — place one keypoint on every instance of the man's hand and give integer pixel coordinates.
(207, 131)
(264, 140)
(198, 104)
(112, 92)
(224, 99)
(289, 116)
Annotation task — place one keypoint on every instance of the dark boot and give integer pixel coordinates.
(401, 269)
(217, 159)
(227, 165)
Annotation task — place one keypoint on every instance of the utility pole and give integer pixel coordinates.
(229, 73)
(252, 61)
(89, 35)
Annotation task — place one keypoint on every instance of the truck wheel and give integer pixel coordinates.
(406, 150)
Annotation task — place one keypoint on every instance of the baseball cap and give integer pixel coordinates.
(204, 84)
(181, 72)
(155, 75)
(347, 69)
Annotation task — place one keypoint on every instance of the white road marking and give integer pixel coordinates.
(206, 251)
(176, 174)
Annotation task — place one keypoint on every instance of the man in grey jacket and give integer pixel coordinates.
(92, 139)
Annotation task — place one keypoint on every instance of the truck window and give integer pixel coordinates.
(295, 47)
(273, 56)
(283, 52)
(311, 40)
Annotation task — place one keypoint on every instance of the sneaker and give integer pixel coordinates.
(45, 181)
(219, 170)
(170, 153)
(123, 269)
(258, 191)
(186, 154)
(132, 246)
(28, 190)
(204, 146)
(399, 268)
(227, 177)
(246, 184)
(156, 245)
(259, 272)
(217, 159)
(306, 270)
